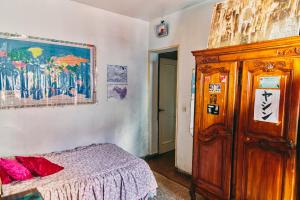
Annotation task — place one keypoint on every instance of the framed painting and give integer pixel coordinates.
(243, 21)
(45, 72)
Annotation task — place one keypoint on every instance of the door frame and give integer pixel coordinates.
(153, 139)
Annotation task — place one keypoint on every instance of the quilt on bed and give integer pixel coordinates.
(95, 172)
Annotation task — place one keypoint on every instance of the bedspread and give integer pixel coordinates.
(95, 172)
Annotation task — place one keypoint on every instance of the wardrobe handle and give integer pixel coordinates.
(248, 139)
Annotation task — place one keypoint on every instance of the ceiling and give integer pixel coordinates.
(142, 9)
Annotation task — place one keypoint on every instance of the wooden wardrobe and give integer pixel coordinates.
(246, 121)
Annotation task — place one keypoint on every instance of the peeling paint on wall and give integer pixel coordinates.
(246, 21)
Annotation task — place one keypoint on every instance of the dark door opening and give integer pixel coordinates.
(167, 86)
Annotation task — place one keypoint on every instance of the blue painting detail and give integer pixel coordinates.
(44, 73)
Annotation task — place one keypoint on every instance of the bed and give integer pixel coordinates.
(98, 171)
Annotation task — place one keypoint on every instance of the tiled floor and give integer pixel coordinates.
(164, 164)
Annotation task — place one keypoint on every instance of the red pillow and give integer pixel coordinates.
(39, 166)
(5, 179)
(15, 170)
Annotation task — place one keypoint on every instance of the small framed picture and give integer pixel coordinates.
(162, 29)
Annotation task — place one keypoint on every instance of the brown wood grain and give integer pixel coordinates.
(214, 133)
(235, 156)
(267, 151)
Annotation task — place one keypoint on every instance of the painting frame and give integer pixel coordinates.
(61, 43)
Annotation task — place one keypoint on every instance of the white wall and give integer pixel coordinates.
(119, 40)
(189, 29)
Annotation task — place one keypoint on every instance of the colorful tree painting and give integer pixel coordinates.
(38, 73)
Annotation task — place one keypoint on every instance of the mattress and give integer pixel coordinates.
(95, 172)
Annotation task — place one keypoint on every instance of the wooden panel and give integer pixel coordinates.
(214, 129)
(215, 98)
(258, 163)
(267, 150)
(210, 169)
(258, 70)
(266, 155)
(268, 49)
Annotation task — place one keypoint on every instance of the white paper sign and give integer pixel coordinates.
(266, 106)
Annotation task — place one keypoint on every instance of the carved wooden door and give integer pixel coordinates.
(215, 97)
(267, 130)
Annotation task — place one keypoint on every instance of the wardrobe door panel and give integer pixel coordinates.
(216, 88)
(259, 164)
(266, 131)
(210, 170)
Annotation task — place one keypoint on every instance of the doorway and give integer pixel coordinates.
(159, 143)
(163, 107)
(167, 82)
(162, 136)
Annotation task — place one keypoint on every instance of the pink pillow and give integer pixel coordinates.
(15, 170)
(39, 166)
(5, 179)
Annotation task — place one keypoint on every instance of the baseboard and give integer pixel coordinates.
(180, 171)
(151, 156)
